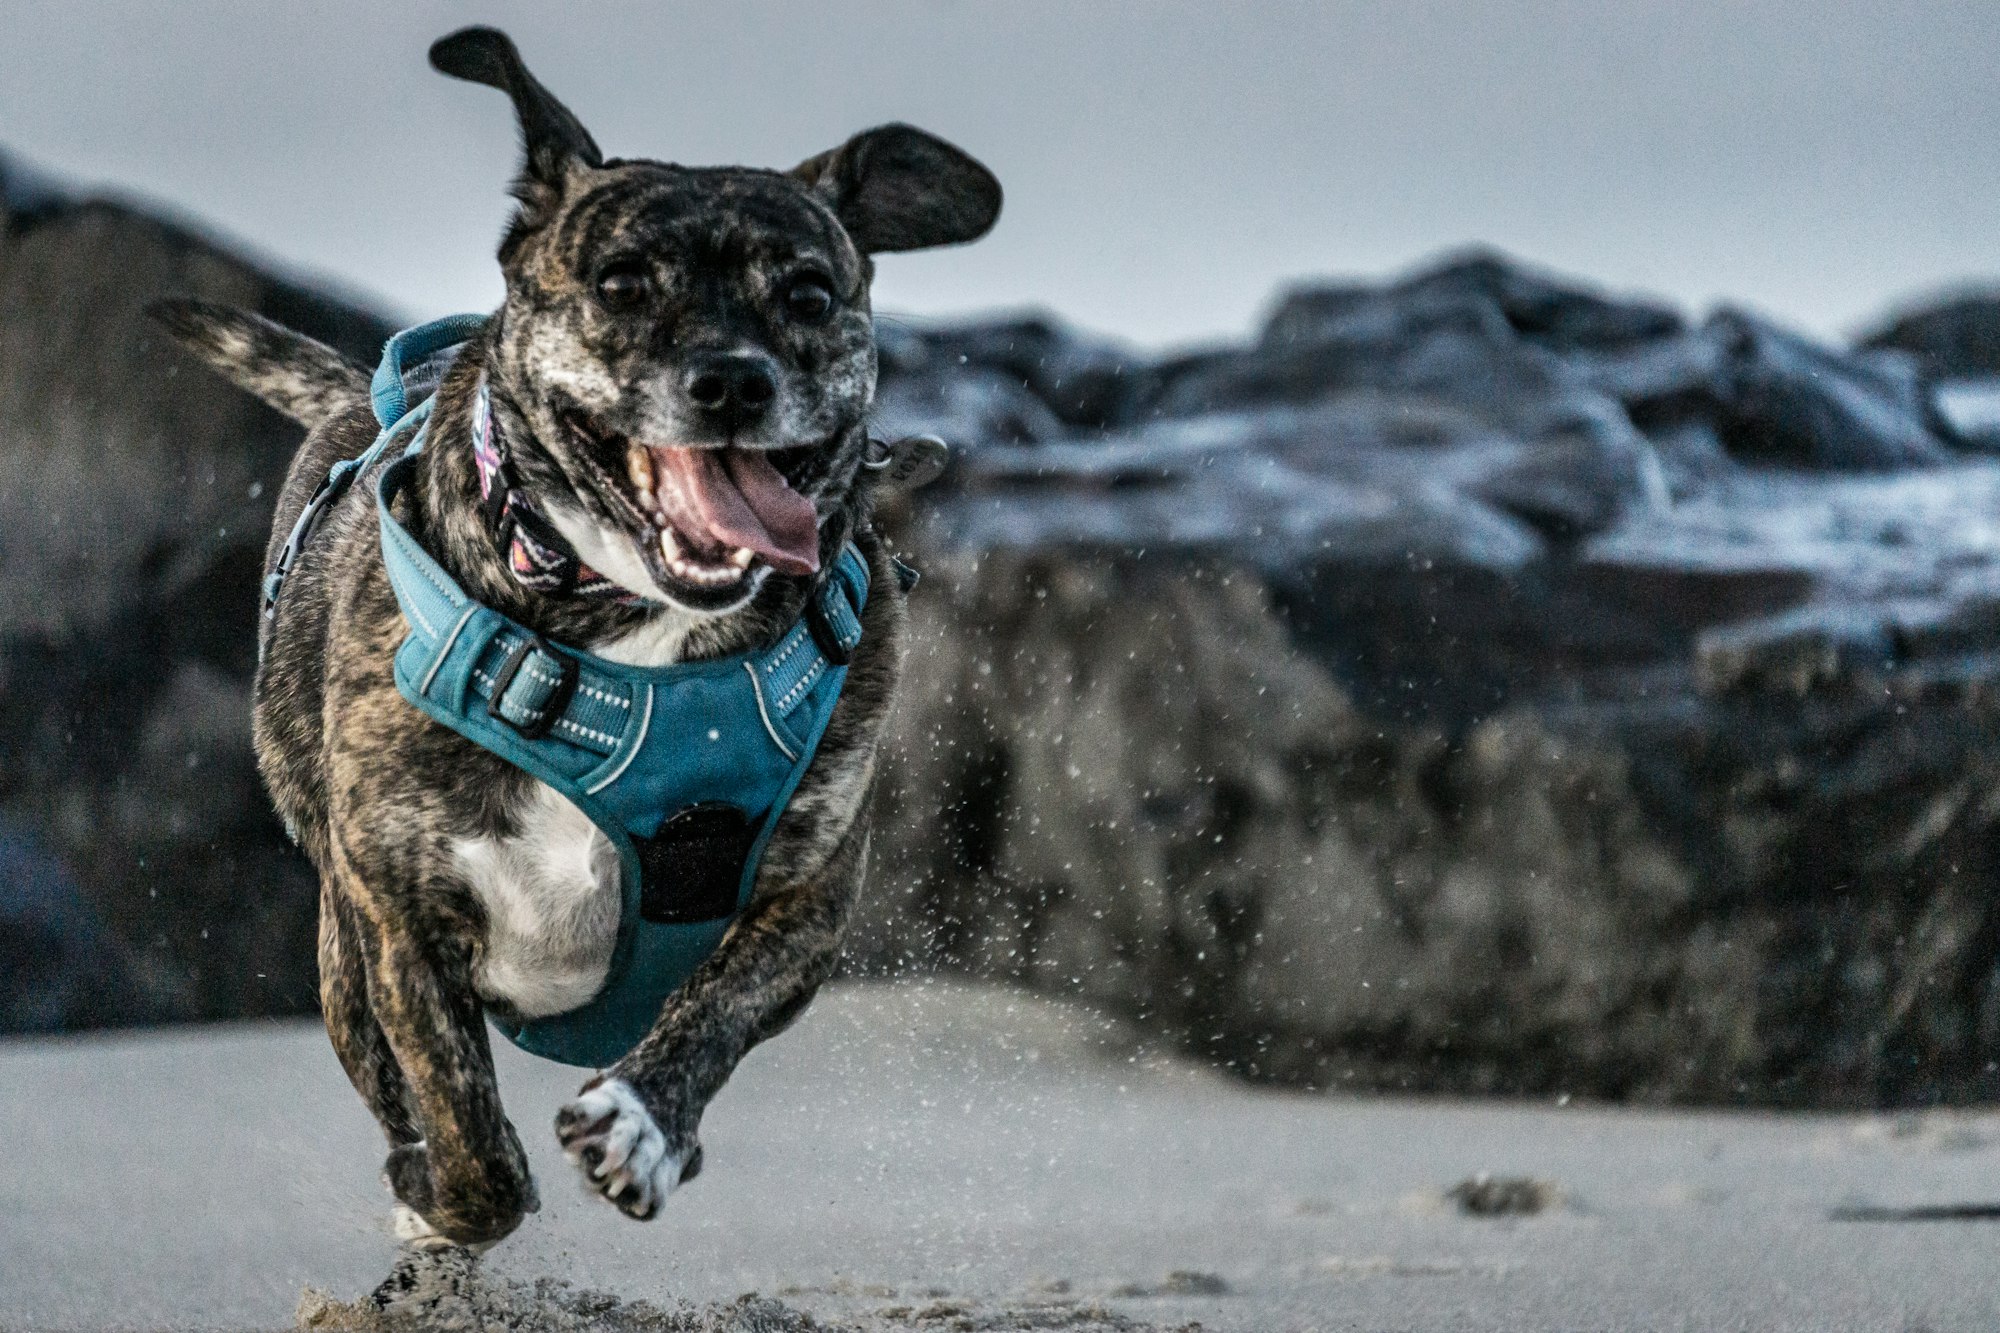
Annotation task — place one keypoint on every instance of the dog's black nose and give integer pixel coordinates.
(736, 386)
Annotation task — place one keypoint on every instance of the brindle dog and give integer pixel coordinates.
(681, 368)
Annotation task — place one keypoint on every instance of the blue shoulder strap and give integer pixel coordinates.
(389, 398)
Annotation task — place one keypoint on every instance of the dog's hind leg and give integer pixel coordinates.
(632, 1131)
(365, 1054)
(350, 1021)
(465, 1174)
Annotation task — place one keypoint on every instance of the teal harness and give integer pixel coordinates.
(685, 768)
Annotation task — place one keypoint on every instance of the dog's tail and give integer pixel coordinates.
(301, 377)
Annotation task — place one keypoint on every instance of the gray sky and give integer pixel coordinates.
(1166, 164)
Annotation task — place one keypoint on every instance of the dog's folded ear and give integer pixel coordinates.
(897, 188)
(552, 137)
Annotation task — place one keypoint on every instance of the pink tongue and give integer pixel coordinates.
(735, 497)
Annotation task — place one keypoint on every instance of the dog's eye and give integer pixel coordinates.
(809, 300)
(621, 286)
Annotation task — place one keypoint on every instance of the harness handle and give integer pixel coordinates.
(410, 347)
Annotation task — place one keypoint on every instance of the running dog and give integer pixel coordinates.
(653, 454)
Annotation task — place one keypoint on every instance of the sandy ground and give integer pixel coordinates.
(949, 1157)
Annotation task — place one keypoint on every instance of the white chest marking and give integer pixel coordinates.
(552, 900)
(609, 553)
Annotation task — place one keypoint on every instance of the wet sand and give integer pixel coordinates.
(954, 1157)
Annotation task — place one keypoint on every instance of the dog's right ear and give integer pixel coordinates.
(552, 137)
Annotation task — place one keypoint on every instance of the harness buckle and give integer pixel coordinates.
(558, 698)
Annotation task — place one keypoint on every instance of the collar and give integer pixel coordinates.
(536, 553)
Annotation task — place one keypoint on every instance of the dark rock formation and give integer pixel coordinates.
(132, 522)
(1954, 334)
(1953, 343)
(1476, 682)
(1479, 684)
(62, 969)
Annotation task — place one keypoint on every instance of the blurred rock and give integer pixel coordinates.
(1950, 345)
(1951, 335)
(59, 968)
(1080, 381)
(1535, 307)
(1477, 685)
(1783, 399)
(132, 526)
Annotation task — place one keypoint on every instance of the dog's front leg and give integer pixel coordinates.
(467, 1178)
(632, 1130)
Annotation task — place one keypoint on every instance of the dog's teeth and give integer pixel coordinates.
(681, 565)
(639, 467)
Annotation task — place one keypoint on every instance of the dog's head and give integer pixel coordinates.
(690, 350)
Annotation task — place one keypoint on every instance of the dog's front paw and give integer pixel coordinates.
(408, 1226)
(623, 1154)
(407, 1173)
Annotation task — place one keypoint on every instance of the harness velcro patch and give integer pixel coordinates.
(692, 868)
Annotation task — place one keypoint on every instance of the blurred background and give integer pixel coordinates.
(1471, 563)
(1167, 164)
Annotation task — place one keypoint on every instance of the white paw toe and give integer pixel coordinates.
(410, 1227)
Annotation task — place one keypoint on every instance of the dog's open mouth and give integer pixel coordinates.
(717, 513)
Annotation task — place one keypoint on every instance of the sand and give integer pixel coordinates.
(952, 1157)
(448, 1291)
